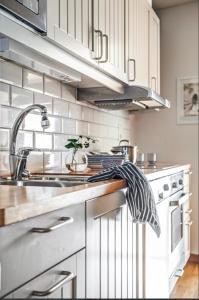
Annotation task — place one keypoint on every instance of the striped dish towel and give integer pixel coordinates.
(139, 195)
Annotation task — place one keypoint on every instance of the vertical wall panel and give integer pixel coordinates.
(78, 20)
(104, 258)
(118, 263)
(63, 15)
(71, 17)
(124, 252)
(85, 22)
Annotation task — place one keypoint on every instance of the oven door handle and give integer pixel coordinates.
(181, 200)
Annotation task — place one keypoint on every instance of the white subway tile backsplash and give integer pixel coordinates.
(60, 108)
(44, 100)
(10, 73)
(35, 162)
(7, 116)
(124, 134)
(32, 80)
(52, 160)
(52, 87)
(43, 141)
(112, 132)
(81, 128)
(68, 118)
(75, 111)
(4, 139)
(68, 93)
(4, 94)
(4, 164)
(24, 139)
(21, 98)
(69, 126)
(60, 140)
(87, 114)
(32, 122)
(55, 125)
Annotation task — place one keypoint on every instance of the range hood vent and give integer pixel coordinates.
(25, 56)
(135, 98)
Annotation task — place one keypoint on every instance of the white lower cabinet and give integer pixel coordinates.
(114, 250)
(64, 281)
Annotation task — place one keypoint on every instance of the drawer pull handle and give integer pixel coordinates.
(61, 222)
(189, 211)
(189, 223)
(179, 273)
(68, 276)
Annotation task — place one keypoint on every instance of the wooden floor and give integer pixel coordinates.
(188, 285)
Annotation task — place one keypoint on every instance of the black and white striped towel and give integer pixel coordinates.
(139, 195)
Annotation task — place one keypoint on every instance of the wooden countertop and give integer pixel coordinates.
(20, 203)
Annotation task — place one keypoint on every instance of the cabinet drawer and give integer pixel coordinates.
(25, 254)
(64, 281)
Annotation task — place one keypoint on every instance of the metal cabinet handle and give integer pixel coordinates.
(189, 173)
(179, 273)
(68, 276)
(101, 45)
(61, 222)
(155, 79)
(181, 200)
(189, 211)
(189, 223)
(134, 69)
(106, 59)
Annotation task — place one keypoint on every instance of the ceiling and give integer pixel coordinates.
(157, 4)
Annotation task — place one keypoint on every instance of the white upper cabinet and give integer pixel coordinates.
(119, 37)
(69, 24)
(111, 23)
(154, 52)
(137, 41)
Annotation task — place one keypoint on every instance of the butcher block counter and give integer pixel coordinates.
(20, 203)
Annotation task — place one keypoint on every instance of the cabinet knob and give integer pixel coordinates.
(174, 185)
(181, 181)
(166, 187)
(161, 195)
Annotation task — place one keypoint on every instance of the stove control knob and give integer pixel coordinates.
(174, 185)
(181, 181)
(161, 196)
(166, 187)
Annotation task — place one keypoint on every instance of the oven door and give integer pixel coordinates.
(31, 12)
(176, 232)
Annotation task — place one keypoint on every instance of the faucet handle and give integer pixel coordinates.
(25, 151)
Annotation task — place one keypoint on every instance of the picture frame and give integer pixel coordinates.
(188, 100)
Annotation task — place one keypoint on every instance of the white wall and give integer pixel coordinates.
(159, 132)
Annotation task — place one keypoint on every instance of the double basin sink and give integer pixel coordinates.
(48, 181)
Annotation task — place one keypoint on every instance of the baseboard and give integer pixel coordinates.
(194, 258)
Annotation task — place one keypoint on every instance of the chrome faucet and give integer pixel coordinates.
(18, 159)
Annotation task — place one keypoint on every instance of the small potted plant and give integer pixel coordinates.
(76, 160)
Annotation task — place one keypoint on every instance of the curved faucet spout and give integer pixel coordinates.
(14, 131)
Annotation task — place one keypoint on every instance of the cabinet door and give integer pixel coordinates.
(137, 39)
(154, 52)
(70, 25)
(111, 23)
(113, 268)
(64, 281)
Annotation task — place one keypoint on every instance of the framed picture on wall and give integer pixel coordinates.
(187, 100)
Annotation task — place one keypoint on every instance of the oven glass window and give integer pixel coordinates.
(33, 5)
(176, 227)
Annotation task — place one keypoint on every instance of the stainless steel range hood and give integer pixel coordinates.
(135, 98)
(18, 53)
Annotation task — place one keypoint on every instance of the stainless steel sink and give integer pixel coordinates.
(43, 183)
